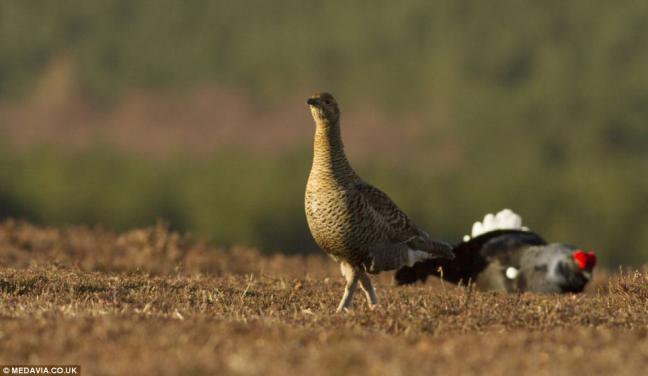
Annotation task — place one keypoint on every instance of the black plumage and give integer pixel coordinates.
(509, 260)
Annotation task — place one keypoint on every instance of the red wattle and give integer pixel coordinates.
(591, 260)
(581, 258)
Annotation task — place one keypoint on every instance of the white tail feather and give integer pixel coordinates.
(506, 219)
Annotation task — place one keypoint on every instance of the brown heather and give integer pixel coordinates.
(152, 301)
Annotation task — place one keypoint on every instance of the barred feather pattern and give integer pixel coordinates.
(352, 220)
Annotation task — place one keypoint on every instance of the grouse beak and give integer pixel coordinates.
(312, 102)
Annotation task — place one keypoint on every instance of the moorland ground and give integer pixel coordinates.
(151, 301)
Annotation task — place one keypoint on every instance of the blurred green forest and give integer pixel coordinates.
(545, 105)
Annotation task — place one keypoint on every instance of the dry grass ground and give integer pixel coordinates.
(154, 302)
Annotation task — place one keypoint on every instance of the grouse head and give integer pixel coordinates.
(579, 271)
(324, 109)
(586, 261)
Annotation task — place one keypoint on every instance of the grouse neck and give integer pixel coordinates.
(329, 154)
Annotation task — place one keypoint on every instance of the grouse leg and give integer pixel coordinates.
(351, 276)
(367, 286)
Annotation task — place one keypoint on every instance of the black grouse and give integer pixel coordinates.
(501, 255)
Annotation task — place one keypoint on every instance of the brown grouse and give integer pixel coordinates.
(355, 223)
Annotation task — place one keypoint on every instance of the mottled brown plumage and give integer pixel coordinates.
(354, 222)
